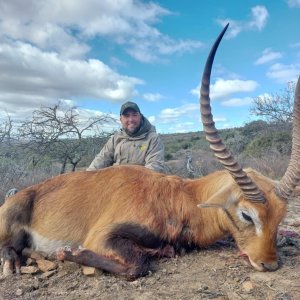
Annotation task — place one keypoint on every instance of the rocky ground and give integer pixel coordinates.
(214, 273)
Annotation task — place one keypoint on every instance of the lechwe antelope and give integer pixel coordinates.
(123, 215)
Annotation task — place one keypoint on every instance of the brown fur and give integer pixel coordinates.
(119, 208)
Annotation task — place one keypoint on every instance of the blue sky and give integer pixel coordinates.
(97, 54)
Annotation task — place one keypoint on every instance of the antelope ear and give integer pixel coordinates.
(223, 198)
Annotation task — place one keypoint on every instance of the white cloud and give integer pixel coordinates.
(153, 97)
(284, 73)
(154, 49)
(168, 114)
(259, 17)
(44, 48)
(267, 56)
(184, 118)
(152, 119)
(237, 102)
(30, 77)
(66, 26)
(223, 88)
(184, 127)
(258, 20)
(234, 28)
(293, 3)
(220, 119)
(226, 125)
(29, 24)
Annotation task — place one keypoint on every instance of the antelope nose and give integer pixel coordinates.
(270, 266)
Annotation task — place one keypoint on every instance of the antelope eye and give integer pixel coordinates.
(247, 218)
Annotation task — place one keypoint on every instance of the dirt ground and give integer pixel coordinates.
(213, 273)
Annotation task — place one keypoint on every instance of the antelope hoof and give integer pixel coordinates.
(11, 261)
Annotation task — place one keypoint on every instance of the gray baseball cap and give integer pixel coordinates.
(130, 105)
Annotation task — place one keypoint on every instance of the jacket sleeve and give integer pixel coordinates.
(105, 157)
(155, 157)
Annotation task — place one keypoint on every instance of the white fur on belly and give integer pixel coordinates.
(41, 243)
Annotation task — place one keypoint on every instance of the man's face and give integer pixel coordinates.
(131, 120)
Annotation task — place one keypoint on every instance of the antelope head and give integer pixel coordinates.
(255, 205)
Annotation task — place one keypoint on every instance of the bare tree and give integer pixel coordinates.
(6, 130)
(276, 107)
(61, 132)
(10, 172)
(8, 138)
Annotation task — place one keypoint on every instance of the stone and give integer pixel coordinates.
(30, 261)
(48, 274)
(89, 271)
(29, 253)
(29, 270)
(248, 286)
(46, 265)
(19, 292)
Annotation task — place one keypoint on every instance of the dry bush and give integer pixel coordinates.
(20, 175)
(202, 163)
(176, 167)
(272, 164)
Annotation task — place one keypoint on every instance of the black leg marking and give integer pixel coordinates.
(131, 241)
(89, 258)
(20, 212)
(20, 241)
(137, 234)
(11, 252)
(136, 244)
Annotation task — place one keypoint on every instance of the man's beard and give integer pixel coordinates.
(135, 130)
(132, 132)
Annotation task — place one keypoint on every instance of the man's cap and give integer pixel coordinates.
(130, 105)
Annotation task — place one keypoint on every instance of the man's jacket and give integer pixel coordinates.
(144, 148)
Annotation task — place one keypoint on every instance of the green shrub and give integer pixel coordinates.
(276, 141)
(168, 156)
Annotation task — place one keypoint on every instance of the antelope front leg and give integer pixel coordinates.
(10, 261)
(89, 258)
